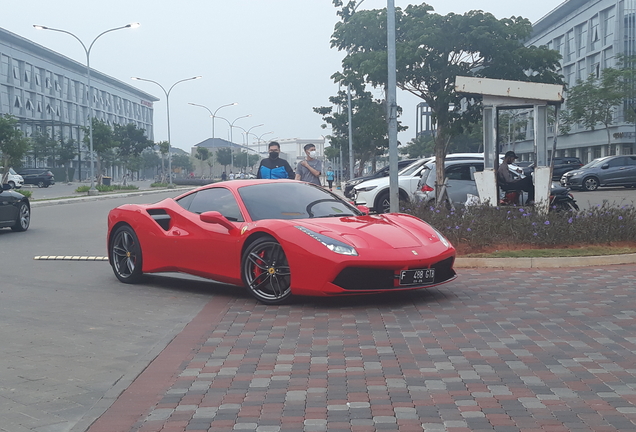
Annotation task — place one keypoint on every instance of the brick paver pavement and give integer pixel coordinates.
(532, 350)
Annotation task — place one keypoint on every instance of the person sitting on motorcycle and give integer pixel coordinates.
(508, 182)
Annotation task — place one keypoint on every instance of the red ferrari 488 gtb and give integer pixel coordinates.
(277, 238)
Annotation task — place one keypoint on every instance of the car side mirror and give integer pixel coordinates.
(605, 166)
(363, 209)
(215, 217)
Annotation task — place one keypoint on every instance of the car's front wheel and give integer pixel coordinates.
(266, 272)
(125, 255)
(590, 184)
(24, 218)
(12, 184)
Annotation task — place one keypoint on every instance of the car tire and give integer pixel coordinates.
(12, 184)
(266, 272)
(40, 184)
(590, 184)
(24, 218)
(126, 255)
(383, 204)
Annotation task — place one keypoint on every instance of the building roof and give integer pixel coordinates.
(559, 13)
(218, 143)
(54, 57)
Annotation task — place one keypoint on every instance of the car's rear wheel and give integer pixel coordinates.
(590, 184)
(125, 255)
(40, 184)
(24, 218)
(266, 272)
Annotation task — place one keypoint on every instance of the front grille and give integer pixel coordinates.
(369, 279)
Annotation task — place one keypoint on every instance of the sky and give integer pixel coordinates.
(272, 57)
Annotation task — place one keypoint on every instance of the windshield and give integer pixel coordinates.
(595, 162)
(411, 169)
(283, 200)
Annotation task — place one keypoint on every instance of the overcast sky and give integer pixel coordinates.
(271, 56)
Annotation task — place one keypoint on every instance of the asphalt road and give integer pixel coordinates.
(71, 336)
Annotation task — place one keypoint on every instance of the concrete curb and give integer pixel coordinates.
(587, 261)
(73, 200)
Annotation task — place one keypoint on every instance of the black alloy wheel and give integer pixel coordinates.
(40, 184)
(24, 218)
(266, 272)
(383, 203)
(125, 255)
(590, 184)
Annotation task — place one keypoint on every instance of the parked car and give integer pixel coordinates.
(277, 238)
(42, 177)
(384, 172)
(460, 175)
(14, 179)
(374, 194)
(606, 171)
(15, 209)
(561, 166)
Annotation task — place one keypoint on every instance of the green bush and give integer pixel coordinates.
(102, 188)
(478, 227)
(26, 193)
(159, 185)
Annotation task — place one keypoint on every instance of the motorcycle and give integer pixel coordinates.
(560, 199)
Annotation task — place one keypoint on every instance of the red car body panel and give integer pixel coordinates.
(389, 242)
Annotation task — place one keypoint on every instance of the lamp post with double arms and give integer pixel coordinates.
(213, 114)
(92, 190)
(247, 142)
(167, 93)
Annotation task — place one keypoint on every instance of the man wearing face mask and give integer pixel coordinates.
(309, 169)
(274, 167)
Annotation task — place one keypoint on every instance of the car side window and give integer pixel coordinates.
(618, 162)
(631, 160)
(458, 172)
(216, 199)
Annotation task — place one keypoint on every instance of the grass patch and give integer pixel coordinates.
(557, 252)
(26, 193)
(112, 188)
(159, 185)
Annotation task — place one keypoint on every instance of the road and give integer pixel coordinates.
(71, 336)
(530, 350)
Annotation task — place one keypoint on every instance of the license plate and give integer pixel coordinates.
(417, 276)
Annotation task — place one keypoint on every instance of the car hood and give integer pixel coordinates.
(381, 231)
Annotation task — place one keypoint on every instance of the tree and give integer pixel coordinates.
(182, 161)
(203, 154)
(164, 149)
(224, 157)
(13, 144)
(432, 50)
(103, 144)
(130, 142)
(43, 147)
(66, 153)
(151, 159)
(594, 101)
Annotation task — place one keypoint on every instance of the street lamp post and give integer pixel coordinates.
(247, 142)
(92, 190)
(167, 93)
(212, 114)
(258, 140)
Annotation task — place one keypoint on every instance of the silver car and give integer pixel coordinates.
(460, 175)
(605, 171)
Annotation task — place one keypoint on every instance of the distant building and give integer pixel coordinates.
(47, 91)
(589, 35)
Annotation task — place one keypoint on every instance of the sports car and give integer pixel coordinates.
(15, 209)
(277, 238)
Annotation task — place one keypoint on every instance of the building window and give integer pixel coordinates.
(594, 33)
(18, 102)
(47, 82)
(29, 105)
(571, 47)
(609, 17)
(581, 39)
(37, 78)
(39, 107)
(16, 72)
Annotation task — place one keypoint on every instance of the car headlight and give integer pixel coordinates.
(331, 243)
(441, 237)
(366, 189)
(352, 183)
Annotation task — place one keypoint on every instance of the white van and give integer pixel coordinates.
(15, 180)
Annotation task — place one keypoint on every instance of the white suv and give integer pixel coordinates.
(375, 193)
(15, 180)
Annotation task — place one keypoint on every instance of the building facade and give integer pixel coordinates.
(48, 92)
(589, 34)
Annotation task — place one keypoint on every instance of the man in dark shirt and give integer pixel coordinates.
(274, 167)
(508, 182)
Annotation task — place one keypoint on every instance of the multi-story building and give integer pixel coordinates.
(589, 34)
(47, 91)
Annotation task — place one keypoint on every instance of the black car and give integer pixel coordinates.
(384, 172)
(42, 177)
(561, 166)
(15, 210)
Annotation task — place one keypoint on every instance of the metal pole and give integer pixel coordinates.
(392, 109)
(92, 190)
